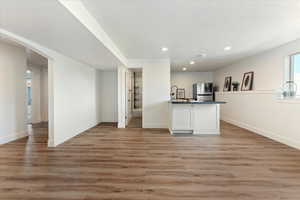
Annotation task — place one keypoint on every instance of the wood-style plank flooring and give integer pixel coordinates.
(136, 164)
(135, 122)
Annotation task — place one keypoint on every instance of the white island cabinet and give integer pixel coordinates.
(195, 117)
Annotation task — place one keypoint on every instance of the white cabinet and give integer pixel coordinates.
(206, 119)
(195, 118)
(181, 117)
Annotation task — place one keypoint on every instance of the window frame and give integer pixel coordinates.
(291, 66)
(291, 72)
(288, 75)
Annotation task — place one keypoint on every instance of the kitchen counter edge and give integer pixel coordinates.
(197, 102)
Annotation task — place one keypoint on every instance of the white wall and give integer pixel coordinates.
(156, 91)
(44, 94)
(73, 98)
(108, 86)
(187, 79)
(98, 87)
(12, 93)
(156, 94)
(260, 110)
(36, 94)
(122, 104)
(71, 89)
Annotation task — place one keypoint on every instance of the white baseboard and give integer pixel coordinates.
(62, 140)
(12, 137)
(265, 133)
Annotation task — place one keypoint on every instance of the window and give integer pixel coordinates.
(294, 70)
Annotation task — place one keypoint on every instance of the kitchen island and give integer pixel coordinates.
(201, 118)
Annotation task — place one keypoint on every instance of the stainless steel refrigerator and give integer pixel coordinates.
(203, 91)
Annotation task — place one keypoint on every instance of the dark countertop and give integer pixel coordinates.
(197, 102)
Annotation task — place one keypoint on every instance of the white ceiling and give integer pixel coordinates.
(139, 28)
(50, 24)
(192, 27)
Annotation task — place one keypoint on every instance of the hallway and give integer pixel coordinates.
(111, 163)
(135, 122)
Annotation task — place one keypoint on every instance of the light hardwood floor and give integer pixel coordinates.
(136, 164)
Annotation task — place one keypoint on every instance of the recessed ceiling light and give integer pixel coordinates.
(164, 49)
(184, 69)
(227, 48)
(28, 71)
(192, 62)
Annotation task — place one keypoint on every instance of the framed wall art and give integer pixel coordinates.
(247, 83)
(180, 93)
(227, 84)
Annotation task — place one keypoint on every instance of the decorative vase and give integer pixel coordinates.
(289, 89)
(235, 86)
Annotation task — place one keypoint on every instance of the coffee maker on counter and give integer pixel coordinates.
(203, 91)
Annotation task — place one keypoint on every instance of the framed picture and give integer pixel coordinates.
(180, 93)
(227, 84)
(247, 81)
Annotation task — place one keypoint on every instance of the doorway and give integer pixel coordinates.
(134, 82)
(37, 96)
(18, 68)
(28, 78)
